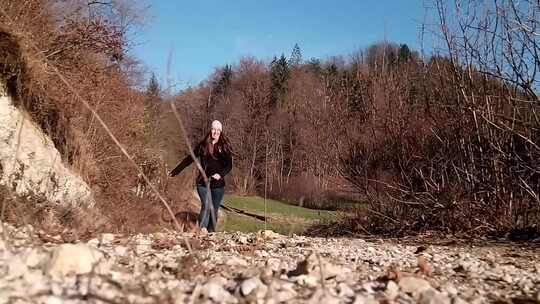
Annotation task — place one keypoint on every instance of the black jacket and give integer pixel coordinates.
(221, 164)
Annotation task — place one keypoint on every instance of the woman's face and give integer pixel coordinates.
(215, 134)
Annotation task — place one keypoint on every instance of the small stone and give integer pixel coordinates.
(143, 246)
(458, 300)
(312, 266)
(242, 239)
(413, 285)
(274, 264)
(308, 280)
(285, 294)
(478, 300)
(368, 287)
(507, 278)
(235, 261)
(53, 300)
(255, 287)
(37, 283)
(344, 291)
(35, 258)
(179, 296)
(69, 258)
(16, 268)
(450, 289)
(107, 238)
(56, 289)
(93, 242)
(431, 296)
(365, 299)
(322, 297)
(269, 234)
(83, 286)
(249, 285)
(215, 292)
(121, 250)
(392, 290)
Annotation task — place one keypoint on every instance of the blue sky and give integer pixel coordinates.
(204, 34)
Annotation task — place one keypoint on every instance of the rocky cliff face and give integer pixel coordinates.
(30, 165)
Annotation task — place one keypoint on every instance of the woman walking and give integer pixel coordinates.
(214, 155)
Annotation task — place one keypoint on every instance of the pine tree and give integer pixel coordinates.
(222, 84)
(153, 90)
(153, 98)
(279, 70)
(404, 53)
(296, 56)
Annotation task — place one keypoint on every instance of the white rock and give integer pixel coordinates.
(242, 239)
(121, 277)
(249, 285)
(143, 246)
(269, 234)
(72, 258)
(103, 267)
(53, 300)
(285, 294)
(308, 280)
(56, 289)
(16, 268)
(478, 300)
(312, 266)
(121, 250)
(392, 290)
(107, 238)
(507, 278)
(93, 242)
(321, 296)
(345, 291)
(253, 286)
(450, 289)
(179, 296)
(365, 299)
(35, 258)
(413, 285)
(83, 286)
(38, 284)
(274, 264)
(38, 169)
(236, 261)
(458, 300)
(431, 296)
(215, 292)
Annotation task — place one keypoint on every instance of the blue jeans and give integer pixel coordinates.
(209, 206)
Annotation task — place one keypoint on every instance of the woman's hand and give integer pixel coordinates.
(216, 176)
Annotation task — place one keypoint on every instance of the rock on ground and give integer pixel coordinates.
(256, 268)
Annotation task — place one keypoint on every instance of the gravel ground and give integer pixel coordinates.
(260, 268)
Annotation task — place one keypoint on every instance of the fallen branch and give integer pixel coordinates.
(243, 212)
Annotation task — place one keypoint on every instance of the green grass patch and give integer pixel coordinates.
(283, 218)
(255, 204)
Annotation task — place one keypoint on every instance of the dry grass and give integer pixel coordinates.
(80, 95)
